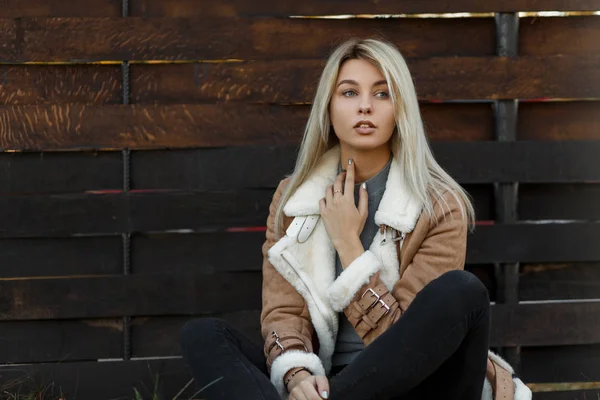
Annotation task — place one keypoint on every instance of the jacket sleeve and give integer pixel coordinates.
(442, 248)
(285, 321)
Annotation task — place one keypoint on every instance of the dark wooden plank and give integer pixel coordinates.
(559, 201)
(567, 36)
(60, 8)
(70, 214)
(61, 256)
(141, 295)
(77, 126)
(8, 37)
(468, 163)
(577, 120)
(184, 8)
(158, 336)
(495, 78)
(48, 341)
(438, 78)
(559, 281)
(198, 252)
(483, 162)
(88, 380)
(567, 395)
(458, 121)
(60, 215)
(546, 324)
(68, 39)
(60, 172)
(209, 252)
(579, 363)
(534, 243)
(47, 84)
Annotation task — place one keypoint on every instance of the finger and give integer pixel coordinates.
(297, 394)
(322, 386)
(328, 195)
(322, 206)
(363, 201)
(338, 184)
(349, 188)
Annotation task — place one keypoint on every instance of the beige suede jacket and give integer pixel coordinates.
(301, 296)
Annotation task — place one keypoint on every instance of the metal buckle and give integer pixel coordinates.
(276, 336)
(372, 292)
(387, 308)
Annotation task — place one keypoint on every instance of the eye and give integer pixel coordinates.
(382, 95)
(349, 93)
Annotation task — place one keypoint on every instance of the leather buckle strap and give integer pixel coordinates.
(379, 310)
(281, 343)
(366, 302)
(505, 386)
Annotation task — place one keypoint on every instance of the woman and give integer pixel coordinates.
(364, 292)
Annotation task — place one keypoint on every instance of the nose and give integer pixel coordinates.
(365, 108)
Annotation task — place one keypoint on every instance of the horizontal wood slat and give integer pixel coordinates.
(89, 380)
(567, 36)
(468, 163)
(60, 8)
(547, 324)
(60, 215)
(292, 81)
(166, 294)
(181, 8)
(47, 84)
(534, 243)
(60, 172)
(559, 281)
(438, 78)
(137, 294)
(574, 363)
(66, 215)
(157, 336)
(568, 395)
(563, 202)
(47, 341)
(76, 126)
(61, 256)
(577, 120)
(97, 39)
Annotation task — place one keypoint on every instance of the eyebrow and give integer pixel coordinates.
(353, 82)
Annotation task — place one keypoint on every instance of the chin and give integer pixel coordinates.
(365, 143)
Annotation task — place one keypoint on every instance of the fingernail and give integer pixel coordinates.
(364, 185)
(324, 395)
(350, 161)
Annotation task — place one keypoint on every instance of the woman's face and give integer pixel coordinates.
(361, 109)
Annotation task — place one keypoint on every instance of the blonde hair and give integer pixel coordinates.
(410, 147)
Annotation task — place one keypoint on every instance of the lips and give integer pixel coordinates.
(364, 124)
(364, 127)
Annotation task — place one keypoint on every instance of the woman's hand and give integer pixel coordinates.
(344, 222)
(309, 387)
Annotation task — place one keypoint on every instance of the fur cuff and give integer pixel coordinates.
(292, 359)
(357, 274)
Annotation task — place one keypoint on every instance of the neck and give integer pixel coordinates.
(367, 163)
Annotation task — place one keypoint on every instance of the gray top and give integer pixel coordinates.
(348, 344)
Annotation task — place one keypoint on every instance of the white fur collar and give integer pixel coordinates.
(398, 209)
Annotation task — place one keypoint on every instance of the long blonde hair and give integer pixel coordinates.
(410, 147)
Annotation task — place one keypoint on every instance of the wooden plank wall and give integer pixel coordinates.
(135, 138)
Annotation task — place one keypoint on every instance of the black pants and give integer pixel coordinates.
(436, 350)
